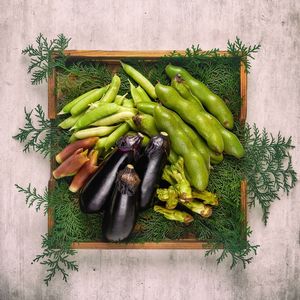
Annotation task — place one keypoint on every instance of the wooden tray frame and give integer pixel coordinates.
(113, 58)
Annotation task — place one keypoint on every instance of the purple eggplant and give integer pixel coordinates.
(99, 188)
(120, 217)
(150, 166)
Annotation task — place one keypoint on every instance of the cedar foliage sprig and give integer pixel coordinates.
(56, 260)
(42, 61)
(35, 137)
(267, 166)
(239, 49)
(56, 251)
(40, 134)
(70, 225)
(33, 198)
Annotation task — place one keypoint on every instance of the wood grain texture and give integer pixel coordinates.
(181, 244)
(113, 57)
(243, 85)
(52, 96)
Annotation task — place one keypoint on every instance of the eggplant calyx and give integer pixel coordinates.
(128, 181)
(159, 143)
(129, 142)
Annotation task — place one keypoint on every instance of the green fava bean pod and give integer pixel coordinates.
(232, 144)
(128, 103)
(191, 113)
(113, 90)
(135, 94)
(94, 131)
(84, 103)
(104, 144)
(146, 107)
(144, 96)
(67, 108)
(181, 144)
(119, 99)
(178, 84)
(213, 103)
(173, 157)
(198, 142)
(140, 79)
(145, 124)
(70, 122)
(119, 117)
(96, 114)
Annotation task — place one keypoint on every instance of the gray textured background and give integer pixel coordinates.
(273, 97)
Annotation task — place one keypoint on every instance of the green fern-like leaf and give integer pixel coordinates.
(56, 260)
(42, 61)
(238, 48)
(32, 135)
(268, 167)
(33, 198)
(40, 134)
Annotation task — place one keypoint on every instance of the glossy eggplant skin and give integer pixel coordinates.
(98, 190)
(150, 166)
(120, 217)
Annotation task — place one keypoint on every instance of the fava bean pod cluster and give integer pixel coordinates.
(154, 150)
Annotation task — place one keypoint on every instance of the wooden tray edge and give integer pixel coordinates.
(179, 244)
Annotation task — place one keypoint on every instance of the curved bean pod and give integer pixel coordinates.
(134, 93)
(140, 79)
(191, 113)
(145, 124)
(84, 103)
(213, 103)
(144, 96)
(112, 92)
(66, 109)
(232, 144)
(90, 117)
(181, 144)
(178, 84)
(146, 107)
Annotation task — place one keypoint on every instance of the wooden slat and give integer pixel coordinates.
(51, 185)
(104, 54)
(243, 83)
(112, 58)
(52, 96)
(161, 245)
(244, 207)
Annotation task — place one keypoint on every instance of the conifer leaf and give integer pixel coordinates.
(42, 61)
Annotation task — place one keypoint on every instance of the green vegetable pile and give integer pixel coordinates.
(266, 174)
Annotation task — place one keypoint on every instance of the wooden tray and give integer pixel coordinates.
(112, 58)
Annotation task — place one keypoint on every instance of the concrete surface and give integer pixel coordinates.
(273, 98)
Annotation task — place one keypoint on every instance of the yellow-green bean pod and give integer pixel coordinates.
(182, 145)
(212, 102)
(84, 103)
(192, 114)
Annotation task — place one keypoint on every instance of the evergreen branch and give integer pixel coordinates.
(267, 166)
(56, 260)
(40, 134)
(33, 198)
(33, 136)
(240, 251)
(42, 61)
(238, 48)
